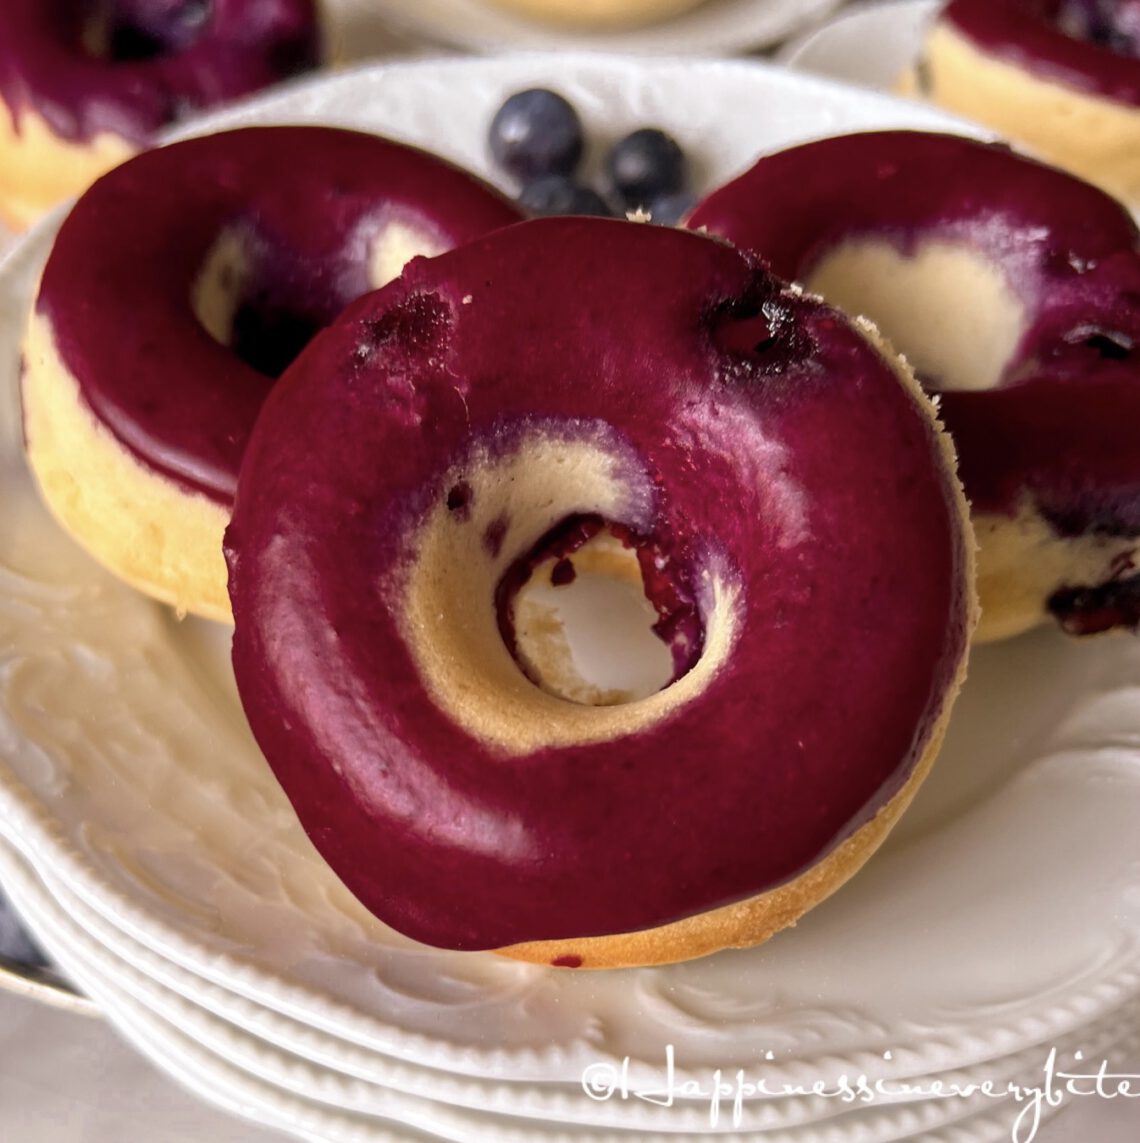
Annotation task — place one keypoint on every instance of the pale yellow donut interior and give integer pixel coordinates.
(1094, 137)
(145, 529)
(449, 617)
(39, 170)
(149, 530)
(946, 307)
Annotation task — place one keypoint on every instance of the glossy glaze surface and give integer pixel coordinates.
(758, 418)
(132, 67)
(1092, 45)
(1060, 424)
(306, 204)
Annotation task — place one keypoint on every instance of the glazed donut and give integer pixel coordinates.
(1014, 290)
(792, 509)
(86, 83)
(598, 13)
(1061, 77)
(180, 285)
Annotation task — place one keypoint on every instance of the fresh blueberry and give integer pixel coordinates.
(646, 165)
(558, 194)
(669, 209)
(535, 133)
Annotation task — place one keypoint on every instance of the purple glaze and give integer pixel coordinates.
(1090, 45)
(117, 287)
(1061, 426)
(166, 59)
(847, 553)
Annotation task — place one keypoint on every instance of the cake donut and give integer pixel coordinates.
(1014, 290)
(1059, 76)
(179, 287)
(791, 508)
(86, 83)
(601, 14)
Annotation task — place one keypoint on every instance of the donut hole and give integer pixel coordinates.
(540, 608)
(260, 303)
(582, 622)
(134, 31)
(943, 305)
(265, 302)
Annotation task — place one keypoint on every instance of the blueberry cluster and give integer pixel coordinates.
(537, 138)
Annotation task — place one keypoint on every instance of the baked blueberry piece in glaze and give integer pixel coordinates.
(1014, 290)
(179, 287)
(790, 502)
(86, 83)
(1061, 77)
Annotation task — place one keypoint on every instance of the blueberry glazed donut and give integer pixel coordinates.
(178, 289)
(778, 485)
(1014, 290)
(84, 84)
(1060, 76)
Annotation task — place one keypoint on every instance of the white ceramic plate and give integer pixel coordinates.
(871, 45)
(129, 774)
(276, 1048)
(717, 27)
(245, 1073)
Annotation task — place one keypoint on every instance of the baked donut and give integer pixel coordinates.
(791, 507)
(598, 13)
(86, 83)
(1061, 77)
(1014, 290)
(179, 287)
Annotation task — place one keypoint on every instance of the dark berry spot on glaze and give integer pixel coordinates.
(745, 334)
(1093, 610)
(416, 326)
(758, 334)
(568, 961)
(459, 500)
(563, 573)
(494, 535)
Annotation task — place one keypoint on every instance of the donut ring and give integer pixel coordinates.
(84, 84)
(1014, 289)
(1061, 77)
(787, 480)
(226, 253)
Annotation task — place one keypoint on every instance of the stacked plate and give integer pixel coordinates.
(157, 860)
